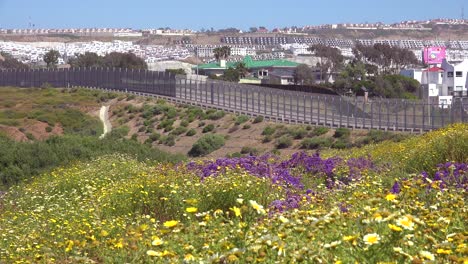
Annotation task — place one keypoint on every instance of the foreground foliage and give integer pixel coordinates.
(22, 160)
(307, 208)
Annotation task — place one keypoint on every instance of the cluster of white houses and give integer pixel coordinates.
(33, 52)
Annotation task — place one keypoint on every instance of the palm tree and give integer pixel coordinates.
(218, 53)
(222, 52)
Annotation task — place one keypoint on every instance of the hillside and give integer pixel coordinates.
(28, 114)
(365, 205)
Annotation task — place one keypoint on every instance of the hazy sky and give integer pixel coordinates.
(218, 13)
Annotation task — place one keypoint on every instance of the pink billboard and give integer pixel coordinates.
(434, 55)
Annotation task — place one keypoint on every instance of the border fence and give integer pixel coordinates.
(274, 104)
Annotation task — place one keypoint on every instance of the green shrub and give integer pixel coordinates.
(216, 115)
(241, 119)
(267, 139)
(48, 129)
(268, 131)
(134, 137)
(341, 143)
(342, 132)
(30, 136)
(249, 150)
(168, 128)
(168, 140)
(284, 142)
(206, 144)
(184, 123)
(316, 143)
(201, 123)
(258, 119)
(318, 131)
(234, 155)
(298, 132)
(154, 137)
(191, 132)
(246, 126)
(179, 131)
(208, 128)
(119, 132)
(165, 123)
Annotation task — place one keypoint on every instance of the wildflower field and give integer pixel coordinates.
(401, 202)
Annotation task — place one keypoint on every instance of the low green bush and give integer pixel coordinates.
(341, 143)
(191, 132)
(268, 131)
(249, 150)
(298, 132)
(154, 137)
(241, 119)
(168, 140)
(342, 132)
(284, 142)
(179, 131)
(267, 139)
(208, 128)
(206, 144)
(184, 123)
(246, 126)
(216, 115)
(315, 143)
(258, 119)
(318, 131)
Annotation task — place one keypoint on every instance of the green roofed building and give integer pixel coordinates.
(258, 69)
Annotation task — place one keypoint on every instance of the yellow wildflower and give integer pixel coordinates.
(395, 228)
(191, 209)
(236, 211)
(153, 253)
(171, 223)
(390, 197)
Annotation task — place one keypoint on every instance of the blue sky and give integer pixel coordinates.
(218, 13)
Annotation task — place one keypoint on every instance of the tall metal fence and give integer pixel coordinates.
(275, 104)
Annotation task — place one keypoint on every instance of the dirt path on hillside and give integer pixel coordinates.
(104, 116)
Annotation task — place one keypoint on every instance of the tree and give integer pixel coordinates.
(242, 69)
(303, 75)
(253, 29)
(8, 62)
(330, 58)
(51, 58)
(222, 52)
(231, 75)
(124, 60)
(388, 59)
(88, 59)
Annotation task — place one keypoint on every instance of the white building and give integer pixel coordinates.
(455, 80)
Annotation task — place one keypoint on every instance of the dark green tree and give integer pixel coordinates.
(88, 59)
(8, 62)
(242, 69)
(330, 58)
(303, 75)
(51, 58)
